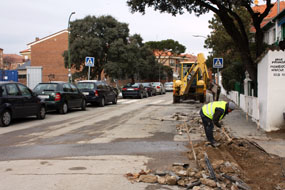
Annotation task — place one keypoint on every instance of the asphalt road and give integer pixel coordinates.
(93, 149)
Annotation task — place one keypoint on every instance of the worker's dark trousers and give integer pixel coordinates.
(208, 126)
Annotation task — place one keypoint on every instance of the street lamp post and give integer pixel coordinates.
(69, 67)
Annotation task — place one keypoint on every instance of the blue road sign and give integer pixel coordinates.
(218, 63)
(89, 61)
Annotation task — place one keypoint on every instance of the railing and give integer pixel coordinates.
(248, 104)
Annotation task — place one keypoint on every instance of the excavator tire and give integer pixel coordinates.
(176, 99)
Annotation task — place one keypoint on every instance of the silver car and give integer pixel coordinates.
(168, 86)
(158, 87)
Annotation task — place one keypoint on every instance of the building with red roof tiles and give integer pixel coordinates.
(26, 54)
(274, 31)
(167, 58)
(272, 14)
(11, 61)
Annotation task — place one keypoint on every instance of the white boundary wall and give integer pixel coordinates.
(271, 90)
(266, 110)
(248, 104)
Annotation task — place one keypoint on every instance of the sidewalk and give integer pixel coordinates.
(239, 127)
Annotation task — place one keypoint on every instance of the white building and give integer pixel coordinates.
(275, 29)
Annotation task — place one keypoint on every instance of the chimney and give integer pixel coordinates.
(37, 38)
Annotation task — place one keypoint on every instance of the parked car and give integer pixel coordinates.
(168, 86)
(159, 87)
(98, 92)
(149, 88)
(60, 96)
(134, 90)
(18, 101)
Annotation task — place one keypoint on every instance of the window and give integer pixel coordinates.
(22, 76)
(283, 32)
(73, 88)
(24, 90)
(4, 92)
(86, 85)
(172, 62)
(12, 90)
(66, 88)
(99, 85)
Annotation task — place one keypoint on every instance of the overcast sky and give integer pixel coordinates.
(23, 20)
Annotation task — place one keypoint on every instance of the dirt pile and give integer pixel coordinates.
(237, 164)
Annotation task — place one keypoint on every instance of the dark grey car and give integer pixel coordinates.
(98, 92)
(18, 101)
(60, 96)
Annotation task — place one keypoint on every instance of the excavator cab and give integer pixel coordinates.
(193, 81)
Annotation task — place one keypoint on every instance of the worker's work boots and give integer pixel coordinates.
(215, 144)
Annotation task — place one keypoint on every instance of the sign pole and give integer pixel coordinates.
(218, 77)
(88, 72)
(89, 62)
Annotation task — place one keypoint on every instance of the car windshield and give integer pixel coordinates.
(156, 84)
(45, 87)
(86, 85)
(146, 84)
(136, 85)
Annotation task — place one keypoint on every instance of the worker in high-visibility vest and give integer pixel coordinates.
(211, 114)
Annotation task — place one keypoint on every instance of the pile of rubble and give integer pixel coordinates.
(205, 176)
(220, 169)
(240, 164)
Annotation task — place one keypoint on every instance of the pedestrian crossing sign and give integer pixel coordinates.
(89, 61)
(218, 63)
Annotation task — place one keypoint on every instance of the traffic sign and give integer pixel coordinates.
(89, 61)
(218, 63)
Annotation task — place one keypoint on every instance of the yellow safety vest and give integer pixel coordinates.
(209, 109)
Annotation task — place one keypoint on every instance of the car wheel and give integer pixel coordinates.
(42, 113)
(146, 95)
(64, 108)
(115, 100)
(5, 119)
(124, 97)
(83, 105)
(102, 102)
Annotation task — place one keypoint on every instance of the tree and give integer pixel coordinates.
(163, 49)
(131, 60)
(230, 19)
(170, 45)
(222, 45)
(93, 36)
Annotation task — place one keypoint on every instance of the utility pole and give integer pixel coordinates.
(69, 67)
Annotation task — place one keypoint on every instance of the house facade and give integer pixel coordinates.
(275, 29)
(48, 53)
(273, 24)
(167, 58)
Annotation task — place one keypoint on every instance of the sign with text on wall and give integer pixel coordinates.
(277, 67)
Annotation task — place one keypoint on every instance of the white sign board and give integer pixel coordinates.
(277, 67)
(218, 63)
(89, 61)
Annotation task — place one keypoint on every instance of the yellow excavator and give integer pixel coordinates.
(194, 82)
